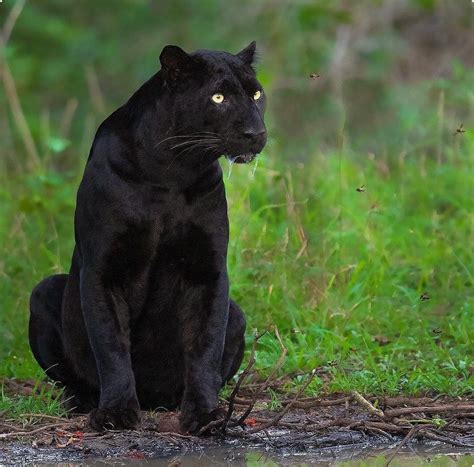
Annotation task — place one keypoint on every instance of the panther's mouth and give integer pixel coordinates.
(242, 158)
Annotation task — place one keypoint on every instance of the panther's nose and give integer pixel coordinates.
(256, 138)
(254, 134)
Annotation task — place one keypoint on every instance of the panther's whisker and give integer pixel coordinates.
(192, 135)
(195, 137)
(196, 145)
(195, 141)
(177, 155)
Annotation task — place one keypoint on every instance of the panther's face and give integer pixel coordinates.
(218, 103)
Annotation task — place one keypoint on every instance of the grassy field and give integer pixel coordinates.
(353, 246)
(333, 253)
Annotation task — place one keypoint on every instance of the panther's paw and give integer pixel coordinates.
(114, 419)
(192, 421)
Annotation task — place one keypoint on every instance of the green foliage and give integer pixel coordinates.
(46, 400)
(339, 272)
(274, 402)
(63, 51)
(347, 291)
(334, 269)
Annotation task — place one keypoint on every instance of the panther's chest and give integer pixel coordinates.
(191, 252)
(185, 238)
(184, 250)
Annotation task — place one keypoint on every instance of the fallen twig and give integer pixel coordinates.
(240, 380)
(317, 402)
(211, 426)
(31, 432)
(40, 415)
(274, 421)
(379, 431)
(265, 385)
(444, 439)
(398, 401)
(433, 409)
(404, 441)
(390, 427)
(172, 434)
(367, 405)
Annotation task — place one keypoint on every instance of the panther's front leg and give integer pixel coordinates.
(106, 317)
(204, 324)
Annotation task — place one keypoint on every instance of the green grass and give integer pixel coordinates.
(350, 303)
(25, 409)
(337, 271)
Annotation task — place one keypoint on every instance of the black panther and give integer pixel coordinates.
(143, 320)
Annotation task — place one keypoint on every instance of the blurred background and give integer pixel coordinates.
(384, 68)
(375, 94)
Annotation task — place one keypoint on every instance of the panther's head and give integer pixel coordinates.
(217, 102)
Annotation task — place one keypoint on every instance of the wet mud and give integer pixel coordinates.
(315, 431)
(279, 447)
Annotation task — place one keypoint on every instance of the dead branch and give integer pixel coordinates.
(274, 421)
(433, 409)
(31, 432)
(399, 401)
(390, 427)
(316, 402)
(9, 427)
(240, 380)
(367, 405)
(212, 426)
(380, 432)
(265, 385)
(293, 425)
(172, 434)
(404, 441)
(40, 415)
(445, 439)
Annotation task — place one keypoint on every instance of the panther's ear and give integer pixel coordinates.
(175, 62)
(247, 55)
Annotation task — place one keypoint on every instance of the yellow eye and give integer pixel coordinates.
(257, 95)
(218, 98)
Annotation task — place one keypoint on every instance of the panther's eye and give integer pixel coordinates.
(218, 98)
(257, 95)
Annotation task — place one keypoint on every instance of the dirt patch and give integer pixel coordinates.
(332, 425)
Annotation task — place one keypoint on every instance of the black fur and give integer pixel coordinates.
(143, 319)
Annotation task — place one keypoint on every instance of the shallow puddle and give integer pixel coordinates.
(364, 456)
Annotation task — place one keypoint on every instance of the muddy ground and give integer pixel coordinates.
(335, 427)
